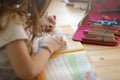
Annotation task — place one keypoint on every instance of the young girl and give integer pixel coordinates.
(20, 23)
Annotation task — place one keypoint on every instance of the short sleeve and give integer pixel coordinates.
(14, 31)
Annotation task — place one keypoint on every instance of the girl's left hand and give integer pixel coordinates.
(48, 24)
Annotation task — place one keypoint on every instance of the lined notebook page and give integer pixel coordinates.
(73, 66)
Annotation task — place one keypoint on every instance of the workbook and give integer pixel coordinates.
(69, 63)
(72, 66)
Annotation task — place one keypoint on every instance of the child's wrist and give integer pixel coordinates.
(46, 48)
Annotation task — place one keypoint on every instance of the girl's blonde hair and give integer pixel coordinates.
(31, 10)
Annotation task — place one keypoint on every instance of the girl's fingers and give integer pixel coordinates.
(59, 40)
(52, 19)
(48, 24)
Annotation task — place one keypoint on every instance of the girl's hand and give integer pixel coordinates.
(48, 23)
(54, 43)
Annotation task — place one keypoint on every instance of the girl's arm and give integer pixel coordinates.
(26, 66)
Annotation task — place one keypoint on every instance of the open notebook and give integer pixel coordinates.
(69, 63)
(72, 66)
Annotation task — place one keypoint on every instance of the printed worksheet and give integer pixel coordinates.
(72, 66)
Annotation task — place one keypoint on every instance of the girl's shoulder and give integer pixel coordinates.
(13, 31)
(7, 18)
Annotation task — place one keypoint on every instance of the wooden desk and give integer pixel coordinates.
(106, 59)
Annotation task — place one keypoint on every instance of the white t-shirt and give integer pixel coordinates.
(13, 32)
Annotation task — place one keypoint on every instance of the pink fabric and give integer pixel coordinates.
(95, 15)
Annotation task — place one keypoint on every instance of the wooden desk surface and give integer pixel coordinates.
(106, 59)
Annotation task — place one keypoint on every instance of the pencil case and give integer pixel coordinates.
(98, 10)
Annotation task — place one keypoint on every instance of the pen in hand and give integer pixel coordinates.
(50, 22)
